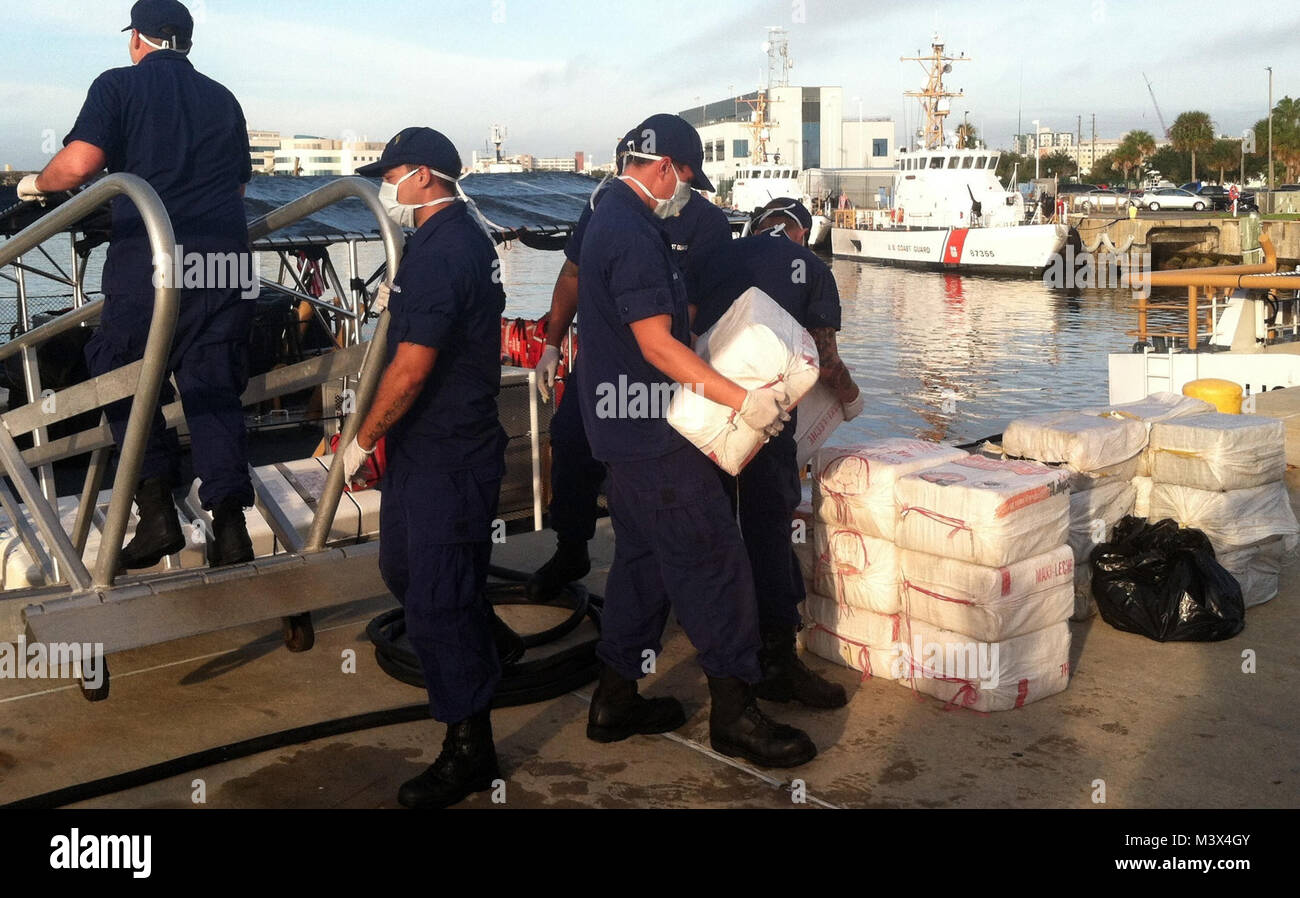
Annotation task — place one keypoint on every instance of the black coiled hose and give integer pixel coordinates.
(523, 682)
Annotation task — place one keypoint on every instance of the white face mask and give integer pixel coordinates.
(403, 214)
(673, 205)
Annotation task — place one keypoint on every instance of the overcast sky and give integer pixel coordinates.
(565, 75)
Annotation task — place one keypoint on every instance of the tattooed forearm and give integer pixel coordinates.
(381, 419)
(834, 373)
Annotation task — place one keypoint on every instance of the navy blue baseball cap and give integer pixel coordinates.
(784, 206)
(416, 146)
(162, 18)
(665, 134)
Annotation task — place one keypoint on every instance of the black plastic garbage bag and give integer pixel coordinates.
(1163, 582)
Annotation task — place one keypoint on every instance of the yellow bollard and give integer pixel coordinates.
(1224, 395)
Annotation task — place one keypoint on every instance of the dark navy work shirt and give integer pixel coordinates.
(627, 274)
(793, 275)
(447, 295)
(183, 133)
(699, 226)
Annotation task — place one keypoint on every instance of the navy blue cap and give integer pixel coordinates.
(162, 18)
(416, 146)
(665, 134)
(780, 208)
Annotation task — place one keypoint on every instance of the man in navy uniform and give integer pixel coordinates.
(576, 477)
(184, 134)
(676, 544)
(437, 405)
(777, 261)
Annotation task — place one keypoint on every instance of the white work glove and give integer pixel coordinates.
(854, 408)
(28, 192)
(380, 301)
(547, 368)
(764, 409)
(353, 458)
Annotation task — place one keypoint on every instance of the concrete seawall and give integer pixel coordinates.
(1170, 237)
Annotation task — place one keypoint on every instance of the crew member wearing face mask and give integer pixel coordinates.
(184, 134)
(676, 544)
(776, 260)
(576, 477)
(437, 406)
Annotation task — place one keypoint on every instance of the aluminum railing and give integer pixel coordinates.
(162, 326)
(151, 371)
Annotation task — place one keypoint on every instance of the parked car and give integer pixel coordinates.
(1220, 198)
(1172, 198)
(1101, 199)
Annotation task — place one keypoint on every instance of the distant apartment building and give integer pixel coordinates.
(305, 154)
(803, 128)
(557, 163)
(1085, 152)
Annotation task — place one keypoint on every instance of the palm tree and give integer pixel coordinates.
(1137, 147)
(1125, 158)
(965, 136)
(1192, 132)
(1224, 156)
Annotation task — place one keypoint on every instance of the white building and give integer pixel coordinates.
(805, 128)
(304, 154)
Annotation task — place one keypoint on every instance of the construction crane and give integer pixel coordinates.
(1163, 127)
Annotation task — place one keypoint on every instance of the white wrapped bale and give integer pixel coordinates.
(820, 413)
(1256, 568)
(854, 637)
(1093, 515)
(1231, 519)
(855, 569)
(1085, 443)
(1142, 496)
(987, 603)
(1218, 452)
(986, 676)
(1155, 408)
(983, 510)
(855, 484)
(756, 343)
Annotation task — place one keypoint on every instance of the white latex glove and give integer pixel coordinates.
(381, 298)
(547, 368)
(27, 191)
(852, 409)
(764, 409)
(353, 458)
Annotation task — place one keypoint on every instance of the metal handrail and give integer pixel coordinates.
(373, 363)
(162, 327)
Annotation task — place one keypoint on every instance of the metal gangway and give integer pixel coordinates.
(93, 604)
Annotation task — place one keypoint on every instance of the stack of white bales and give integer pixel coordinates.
(987, 581)
(853, 608)
(1105, 451)
(1222, 474)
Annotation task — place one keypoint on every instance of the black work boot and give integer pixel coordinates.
(158, 532)
(230, 543)
(569, 564)
(468, 764)
(617, 711)
(738, 729)
(786, 678)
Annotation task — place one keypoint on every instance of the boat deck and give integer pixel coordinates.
(1173, 725)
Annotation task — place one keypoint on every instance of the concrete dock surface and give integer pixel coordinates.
(1177, 725)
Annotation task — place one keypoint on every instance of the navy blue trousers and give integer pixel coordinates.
(765, 496)
(209, 359)
(676, 545)
(434, 549)
(576, 476)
